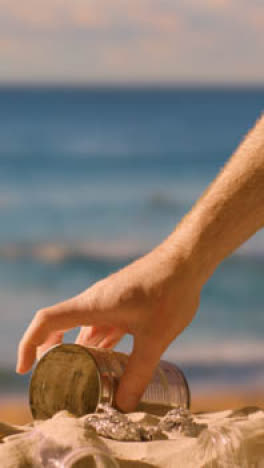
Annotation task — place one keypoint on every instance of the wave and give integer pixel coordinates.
(224, 365)
(57, 253)
(99, 251)
(233, 365)
(219, 363)
(235, 352)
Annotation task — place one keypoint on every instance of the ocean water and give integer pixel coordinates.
(92, 178)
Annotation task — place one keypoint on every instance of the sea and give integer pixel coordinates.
(93, 177)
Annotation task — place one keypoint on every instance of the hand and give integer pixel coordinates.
(153, 299)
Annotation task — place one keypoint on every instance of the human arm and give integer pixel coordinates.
(231, 210)
(156, 297)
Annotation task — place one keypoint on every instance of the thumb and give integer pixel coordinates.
(138, 373)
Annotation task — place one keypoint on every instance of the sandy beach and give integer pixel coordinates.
(14, 410)
(232, 438)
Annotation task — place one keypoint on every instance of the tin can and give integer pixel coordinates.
(78, 379)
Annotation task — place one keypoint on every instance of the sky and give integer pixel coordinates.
(132, 41)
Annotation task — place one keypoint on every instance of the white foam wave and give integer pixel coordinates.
(223, 352)
(121, 249)
(49, 252)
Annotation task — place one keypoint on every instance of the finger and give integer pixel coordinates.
(111, 340)
(54, 339)
(101, 337)
(92, 336)
(138, 373)
(84, 335)
(62, 316)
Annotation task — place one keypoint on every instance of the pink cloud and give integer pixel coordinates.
(130, 38)
(255, 18)
(55, 13)
(30, 12)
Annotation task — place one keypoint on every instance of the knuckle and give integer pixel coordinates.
(42, 316)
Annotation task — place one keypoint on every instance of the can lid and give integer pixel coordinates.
(65, 378)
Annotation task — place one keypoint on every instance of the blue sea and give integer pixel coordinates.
(90, 179)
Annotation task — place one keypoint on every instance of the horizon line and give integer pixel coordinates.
(132, 85)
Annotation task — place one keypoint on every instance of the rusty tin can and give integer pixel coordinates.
(78, 379)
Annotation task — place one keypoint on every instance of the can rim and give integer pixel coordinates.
(40, 362)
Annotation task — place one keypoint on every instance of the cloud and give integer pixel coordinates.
(31, 13)
(89, 40)
(36, 15)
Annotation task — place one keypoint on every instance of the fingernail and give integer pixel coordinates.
(19, 367)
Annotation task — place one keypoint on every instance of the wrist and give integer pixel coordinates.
(186, 250)
(177, 264)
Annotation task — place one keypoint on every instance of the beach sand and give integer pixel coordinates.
(139, 439)
(16, 410)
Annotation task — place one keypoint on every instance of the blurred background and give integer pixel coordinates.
(115, 116)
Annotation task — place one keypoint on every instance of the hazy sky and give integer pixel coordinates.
(132, 40)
